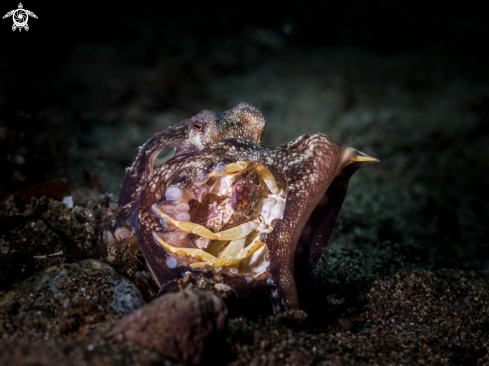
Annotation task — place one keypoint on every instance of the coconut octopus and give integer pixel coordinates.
(224, 206)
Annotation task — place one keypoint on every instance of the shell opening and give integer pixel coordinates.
(224, 223)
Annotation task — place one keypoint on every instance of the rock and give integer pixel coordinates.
(127, 296)
(89, 279)
(184, 326)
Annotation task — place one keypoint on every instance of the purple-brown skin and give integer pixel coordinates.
(189, 136)
(307, 168)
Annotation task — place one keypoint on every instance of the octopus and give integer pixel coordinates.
(189, 136)
(252, 216)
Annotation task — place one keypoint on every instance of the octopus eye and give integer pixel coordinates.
(198, 126)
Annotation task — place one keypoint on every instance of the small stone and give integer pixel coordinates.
(184, 326)
(68, 201)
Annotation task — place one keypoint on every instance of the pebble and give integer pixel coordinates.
(184, 326)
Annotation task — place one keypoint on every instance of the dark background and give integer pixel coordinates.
(454, 29)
